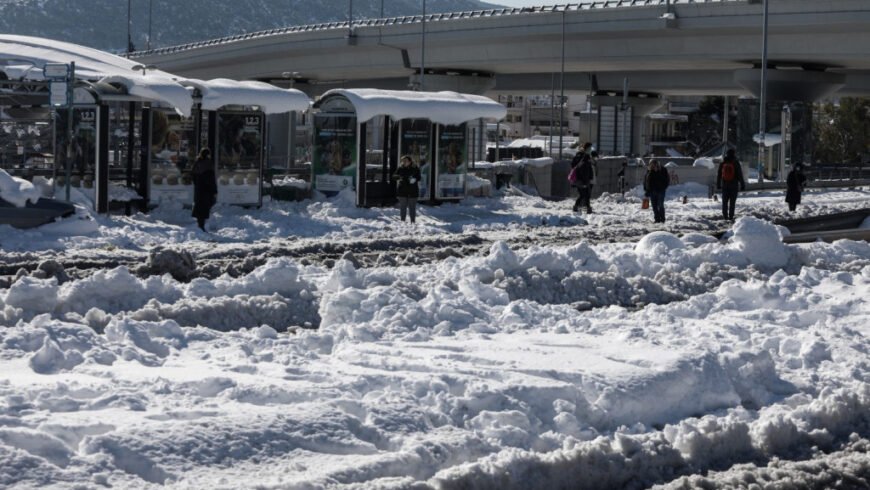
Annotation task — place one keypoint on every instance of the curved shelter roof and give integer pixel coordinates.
(438, 107)
(221, 92)
(23, 58)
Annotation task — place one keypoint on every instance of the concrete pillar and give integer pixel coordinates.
(640, 107)
(464, 84)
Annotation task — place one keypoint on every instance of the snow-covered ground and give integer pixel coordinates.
(536, 349)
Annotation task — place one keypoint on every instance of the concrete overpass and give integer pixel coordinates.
(681, 47)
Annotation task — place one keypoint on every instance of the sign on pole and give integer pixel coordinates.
(56, 70)
(59, 93)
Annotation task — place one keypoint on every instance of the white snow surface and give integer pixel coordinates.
(438, 107)
(273, 100)
(679, 361)
(704, 163)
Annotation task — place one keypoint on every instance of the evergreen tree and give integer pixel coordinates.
(842, 131)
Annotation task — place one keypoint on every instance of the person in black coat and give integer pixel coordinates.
(204, 187)
(655, 184)
(582, 165)
(794, 186)
(729, 178)
(407, 179)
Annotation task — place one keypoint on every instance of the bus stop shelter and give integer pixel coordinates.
(430, 127)
(110, 142)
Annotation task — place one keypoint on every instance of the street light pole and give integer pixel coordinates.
(150, 15)
(762, 103)
(562, 88)
(129, 27)
(423, 52)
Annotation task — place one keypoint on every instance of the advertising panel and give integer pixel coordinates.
(415, 142)
(84, 147)
(173, 151)
(240, 157)
(334, 155)
(451, 169)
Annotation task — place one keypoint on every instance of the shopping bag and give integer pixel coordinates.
(645, 203)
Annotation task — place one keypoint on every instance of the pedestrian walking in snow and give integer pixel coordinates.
(794, 186)
(584, 174)
(407, 180)
(204, 187)
(655, 185)
(729, 179)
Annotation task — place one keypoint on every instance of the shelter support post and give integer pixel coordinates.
(361, 166)
(393, 155)
(433, 160)
(497, 139)
(197, 128)
(213, 135)
(131, 148)
(385, 152)
(70, 98)
(101, 180)
(145, 157)
(291, 140)
(481, 144)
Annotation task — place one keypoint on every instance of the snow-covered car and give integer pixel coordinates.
(31, 215)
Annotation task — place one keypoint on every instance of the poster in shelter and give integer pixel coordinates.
(334, 155)
(415, 143)
(83, 163)
(451, 169)
(173, 151)
(240, 157)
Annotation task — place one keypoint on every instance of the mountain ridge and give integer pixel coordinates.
(102, 24)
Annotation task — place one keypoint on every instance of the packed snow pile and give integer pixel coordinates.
(18, 192)
(582, 366)
(704, 163)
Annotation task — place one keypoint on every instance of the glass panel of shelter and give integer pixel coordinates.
(237, 142)
(173, 150)
(83, 162)
(26, 142)
(240, 156)
(125, 156)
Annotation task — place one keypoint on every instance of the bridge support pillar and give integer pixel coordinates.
(464, 83)
(620, 121)
(794, 90)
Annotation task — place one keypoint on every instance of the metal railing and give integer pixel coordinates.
(416, 19)
(816, 173)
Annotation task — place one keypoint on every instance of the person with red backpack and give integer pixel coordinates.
(730, 179)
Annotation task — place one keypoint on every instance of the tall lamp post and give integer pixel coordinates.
(762, 103)
(562, 88)
(423, 52)
(129, 27)
(150, 15)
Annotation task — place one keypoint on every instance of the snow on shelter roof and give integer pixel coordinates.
(23, 57)
(273, 100)
(438, 107)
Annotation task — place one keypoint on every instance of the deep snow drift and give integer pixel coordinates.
(679, 361)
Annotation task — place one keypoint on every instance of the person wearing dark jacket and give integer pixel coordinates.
(794, 186)
(655, 184)
(729, 178)
(582, 165)
(204, 187)
(407, 179)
